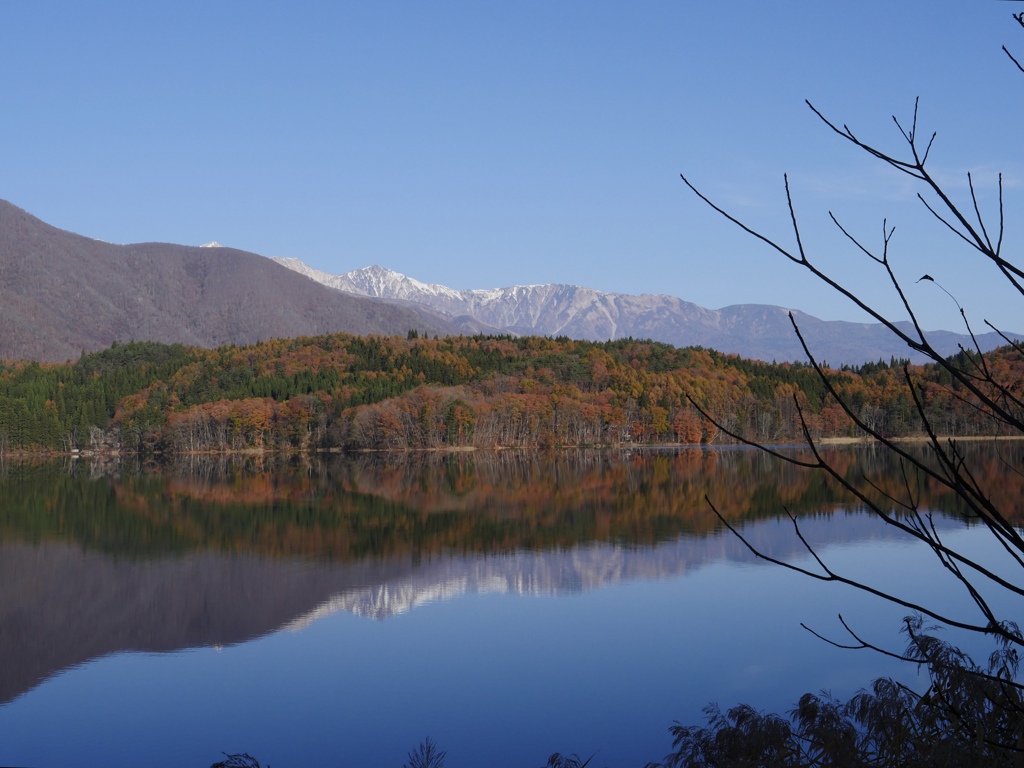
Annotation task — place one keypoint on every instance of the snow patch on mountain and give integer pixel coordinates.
(755, 331)
(524, 574)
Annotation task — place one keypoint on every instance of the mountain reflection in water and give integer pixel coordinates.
(99, 560)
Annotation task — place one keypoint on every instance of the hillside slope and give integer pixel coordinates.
(61, 293)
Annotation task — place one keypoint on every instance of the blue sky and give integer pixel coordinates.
(487, 144)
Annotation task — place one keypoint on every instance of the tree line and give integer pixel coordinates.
(350, 392)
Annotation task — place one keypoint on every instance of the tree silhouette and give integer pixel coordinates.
(970, 714)
(426, 755)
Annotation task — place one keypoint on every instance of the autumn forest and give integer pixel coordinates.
(346, 392)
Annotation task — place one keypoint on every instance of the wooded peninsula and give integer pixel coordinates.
(350, 393)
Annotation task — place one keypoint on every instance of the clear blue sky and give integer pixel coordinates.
(484, 144)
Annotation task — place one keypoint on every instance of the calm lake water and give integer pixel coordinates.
(336, 612)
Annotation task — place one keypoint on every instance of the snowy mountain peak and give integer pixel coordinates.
(756, 331)
(385, 283)
(376, 281)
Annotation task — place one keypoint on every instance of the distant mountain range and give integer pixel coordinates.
(62, 294)
(755, 331)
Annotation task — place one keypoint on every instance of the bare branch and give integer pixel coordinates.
(831, 576)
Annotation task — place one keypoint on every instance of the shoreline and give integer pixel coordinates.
(911, 439)
(21, 454)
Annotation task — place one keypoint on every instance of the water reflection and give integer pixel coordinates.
(419, 505)
(100, 559)
(62, 605)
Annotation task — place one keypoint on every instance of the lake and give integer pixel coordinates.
(336, 611)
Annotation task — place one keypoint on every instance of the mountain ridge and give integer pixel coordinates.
(755, 331)
(62, 293)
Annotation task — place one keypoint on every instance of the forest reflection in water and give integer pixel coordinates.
(373, 505)
(96, 560)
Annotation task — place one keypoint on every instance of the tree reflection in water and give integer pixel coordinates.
(97, 560)
(345, 508)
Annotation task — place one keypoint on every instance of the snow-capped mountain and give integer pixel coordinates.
(756, 331)
(374, 281)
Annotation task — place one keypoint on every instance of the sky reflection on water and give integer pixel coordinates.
(507, 606)
(495, 678)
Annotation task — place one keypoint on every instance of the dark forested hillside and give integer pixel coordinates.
(350, 392)
(61, 293)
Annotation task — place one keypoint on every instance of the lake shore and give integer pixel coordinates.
(916, 439)
(24, 455)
